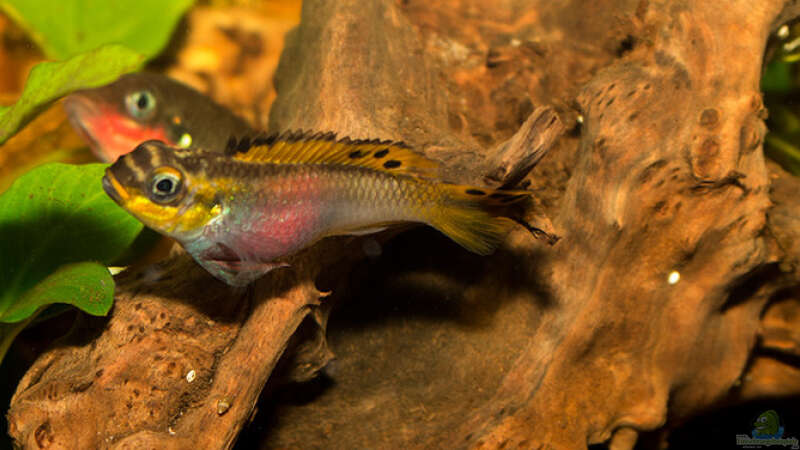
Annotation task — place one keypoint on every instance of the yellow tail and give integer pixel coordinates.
(470, 216)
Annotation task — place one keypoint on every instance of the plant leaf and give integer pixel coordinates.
(65, 28)
(782, 152)
(86, 285)
(777, 77)
(55, 215)
(48, 81)
(9, 331)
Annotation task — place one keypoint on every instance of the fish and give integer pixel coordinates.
(115, 118)
(244, 212)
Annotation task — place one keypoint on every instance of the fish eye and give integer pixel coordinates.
(141, 104)
(165, 185)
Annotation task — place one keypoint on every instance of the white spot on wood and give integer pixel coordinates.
(674, 277)
(223, 406)
(191, 375)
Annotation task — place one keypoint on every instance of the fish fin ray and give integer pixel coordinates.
(470, 216)
(298, 147)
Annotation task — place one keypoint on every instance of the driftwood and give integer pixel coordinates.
(671, 291)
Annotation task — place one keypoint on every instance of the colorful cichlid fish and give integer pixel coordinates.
(115, 118)
(241, 214)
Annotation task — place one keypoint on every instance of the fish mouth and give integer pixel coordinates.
(113, 188)
(109, 133)
(80, 112)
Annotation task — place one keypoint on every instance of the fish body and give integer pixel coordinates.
(243, 214)
(115, 118)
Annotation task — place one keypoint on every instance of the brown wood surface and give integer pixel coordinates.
(537, 346)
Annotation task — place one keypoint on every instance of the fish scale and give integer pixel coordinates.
(245, 211)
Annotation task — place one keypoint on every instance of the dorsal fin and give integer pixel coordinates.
(299, 147)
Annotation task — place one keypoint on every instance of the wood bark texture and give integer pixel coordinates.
(546, 344)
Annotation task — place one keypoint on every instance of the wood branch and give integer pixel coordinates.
(669, 177)
(775, 367)
(656, 190)
(182, 353)
(644, 313)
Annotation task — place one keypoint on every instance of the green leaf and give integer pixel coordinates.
(86, 285)
(783, 152)
(777, 77)
(782, 119)
(64, 28)
(54, 215)
(48, 81)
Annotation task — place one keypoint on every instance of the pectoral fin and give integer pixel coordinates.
(239, 273)
(228, 266)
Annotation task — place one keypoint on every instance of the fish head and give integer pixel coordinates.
(160, 186)
(115, 118)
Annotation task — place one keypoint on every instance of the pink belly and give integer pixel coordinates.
(280, 229)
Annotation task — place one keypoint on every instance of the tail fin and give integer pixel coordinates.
(470, 216)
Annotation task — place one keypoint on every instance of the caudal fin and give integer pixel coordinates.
(469, 216)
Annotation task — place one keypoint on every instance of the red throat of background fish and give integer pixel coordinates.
(242, 212)
(115, 118)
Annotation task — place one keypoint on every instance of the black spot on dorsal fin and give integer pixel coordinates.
(307, 147)
(295, 136)
(265, 139)
(243, 145)
(392, 164)
(357, 154)
(231, 145)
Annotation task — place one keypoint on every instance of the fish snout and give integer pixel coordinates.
(111, 187)
(82, 112)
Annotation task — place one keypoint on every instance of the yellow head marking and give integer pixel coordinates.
(121, 191)
(149, 212)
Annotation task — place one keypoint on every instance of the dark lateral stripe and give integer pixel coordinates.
(475, 192)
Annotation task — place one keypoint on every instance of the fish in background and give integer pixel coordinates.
(138, 107)
(242, 212)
